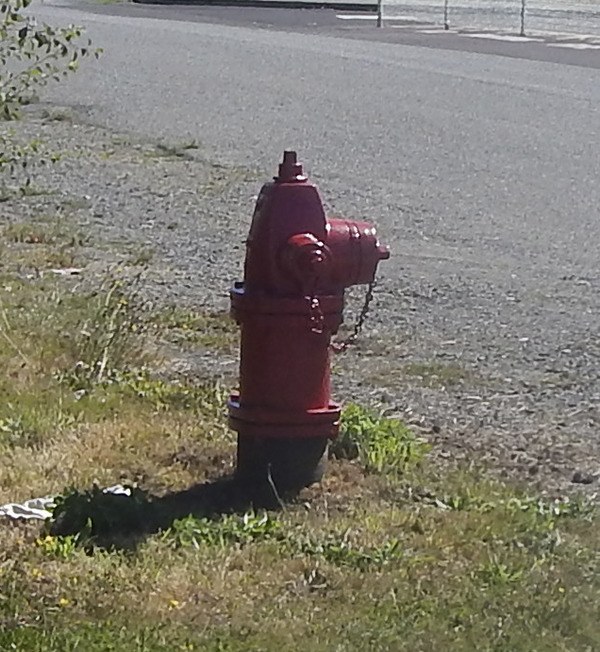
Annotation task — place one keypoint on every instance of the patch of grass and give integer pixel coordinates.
(165, 395)
(142, 257)
(223, 177)
(379, 575)
(33, 190)
(57, 115)
(396, 374)
(174, 150)
(28, 233)
(435, 374)
(75, 203)
(109, 337)
(77, 406)
(43, 231)
(38, 244)
(210, 329)
(76, 385)
(224, 532)
(382, 445)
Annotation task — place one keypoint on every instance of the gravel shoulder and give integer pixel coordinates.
(500, 370)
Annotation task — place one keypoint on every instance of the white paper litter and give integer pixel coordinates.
(118, 489)
(39, 508)
(68, 271)
(34, 508)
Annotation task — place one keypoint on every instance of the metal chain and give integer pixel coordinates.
(341, 347)
(317, 319)
(315, 314)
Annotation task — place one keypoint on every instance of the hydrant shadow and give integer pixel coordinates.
(211, 499)
(122, 522)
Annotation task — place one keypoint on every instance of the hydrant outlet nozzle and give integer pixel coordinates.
(384, 252)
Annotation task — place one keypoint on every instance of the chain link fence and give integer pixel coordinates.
(514, 16)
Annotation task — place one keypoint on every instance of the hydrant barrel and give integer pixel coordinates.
(290, 303)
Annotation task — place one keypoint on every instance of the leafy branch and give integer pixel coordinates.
(31, 56)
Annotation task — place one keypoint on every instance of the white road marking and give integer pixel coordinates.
(410, 26)
(563, 35)
(437, 30)
(504, 37)
(578, 41)
(575, 46)
(387, 19)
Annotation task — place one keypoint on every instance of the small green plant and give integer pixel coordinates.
(234, 530)
(175, 150)
(339, 550)
(142, 257)
(381, 444)
(17, 430)
(59, 547)
(224, 531)
(495, 572)
(209, 328)
(566, 507)
(48, 231)
(206, 397)
(12, 429)
(110, 337)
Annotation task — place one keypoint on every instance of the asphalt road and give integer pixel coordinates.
(490, 155)
(480, 170)
(424, 30)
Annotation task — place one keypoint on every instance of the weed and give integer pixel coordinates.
(168, 395)
(211, 329)
(496, 572)
(223, 177)
(33, 190)
(49, 231)
(224, 531)
(337, 549)
(75, 203)
(382, 445)
(62, 547)
(141, 258)
(57, 115)
(175, 150)
(110, 337)
(18, 430)
(436, 374)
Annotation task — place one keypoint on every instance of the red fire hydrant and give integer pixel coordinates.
(298, 264)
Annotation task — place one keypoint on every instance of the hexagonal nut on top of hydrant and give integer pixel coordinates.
(298, 265)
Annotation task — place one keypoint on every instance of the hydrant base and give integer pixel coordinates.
(287, 465)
